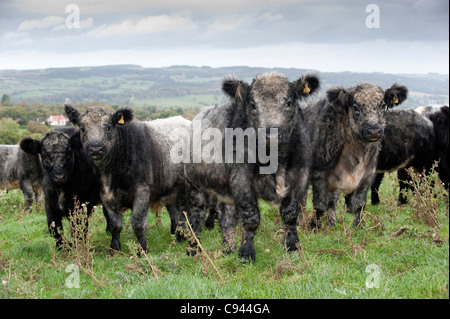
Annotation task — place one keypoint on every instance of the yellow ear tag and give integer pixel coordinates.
(306, 88)
(394, 100)
(121, 121)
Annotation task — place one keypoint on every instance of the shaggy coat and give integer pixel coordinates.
(269, 102)
(441, 131)
(21, 170)
(134, 163)
(345, 130)
(408, 141)
(69, 176)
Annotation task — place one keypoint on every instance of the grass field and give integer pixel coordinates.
(395, 255)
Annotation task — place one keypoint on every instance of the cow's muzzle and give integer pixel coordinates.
(372, 133)
(96, 151)
(59, 178)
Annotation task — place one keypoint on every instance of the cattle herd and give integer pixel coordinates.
(268, 142)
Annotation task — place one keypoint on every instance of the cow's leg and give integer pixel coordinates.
(198, 205)
(90, 209)
(356, 201)
(180, 231)
(228, 222)
(330, 218)
(54, 216)
(54, 222)
(403, 182)
(108, 224)
(375, 197)
(38, 197)
(290, 208)
(247, 207)
(319, 202)
(324, 201)
(214, 207)
(356, 204)
(174, 212)
(116, 222)
(249, 214)
(37, 190)
(141, 206)
(28, 194)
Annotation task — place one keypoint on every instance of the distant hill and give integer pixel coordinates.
(184, 86)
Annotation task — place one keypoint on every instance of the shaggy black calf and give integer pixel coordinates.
(345, 129)
(68, 175)
(441, 132)
(134, 163)
(259, 149)
(408, 141)
(21, 170)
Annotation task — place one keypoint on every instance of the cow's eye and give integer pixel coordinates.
(357, 108)
(253, 105)
(383, 106)
(108, 128)
(288, 102)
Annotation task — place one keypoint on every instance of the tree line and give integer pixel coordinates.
(29, 119)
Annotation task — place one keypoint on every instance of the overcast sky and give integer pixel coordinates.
(396, 36)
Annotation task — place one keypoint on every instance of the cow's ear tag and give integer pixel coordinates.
(121, 120)
(306, 88)
(394, 100)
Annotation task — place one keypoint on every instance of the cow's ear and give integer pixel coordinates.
(339, 97)
(444, 112)
(235, 89)
(396, 95)
(122, 116)
(31, 146)
(72, 114)
(306, 85)
(75, 141)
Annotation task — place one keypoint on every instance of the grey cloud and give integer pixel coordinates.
(222, 24)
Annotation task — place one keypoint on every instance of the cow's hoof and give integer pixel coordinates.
(247, 254)
(292, 242)
(315, 224)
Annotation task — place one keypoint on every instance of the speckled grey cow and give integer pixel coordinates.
(267, 112)
(345, 129)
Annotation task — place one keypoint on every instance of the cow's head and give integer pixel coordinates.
(366, 105)
(57, 154)
(271, 101)
(99, 129)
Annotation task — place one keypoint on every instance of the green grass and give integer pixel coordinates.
(334, 262)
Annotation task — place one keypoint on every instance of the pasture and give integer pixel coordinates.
(396, 255)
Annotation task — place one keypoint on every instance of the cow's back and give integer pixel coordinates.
(408, 136)
(209, 175)
(167, 134)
